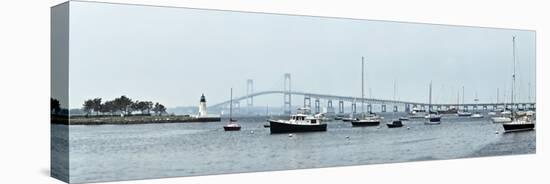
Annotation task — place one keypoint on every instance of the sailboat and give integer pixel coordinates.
(232, 125)
(523, 122)
(433, 118)
(370, 119)
(394, 123)
(463, 113)
(476, 114)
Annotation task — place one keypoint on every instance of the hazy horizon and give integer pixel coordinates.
(173, 55)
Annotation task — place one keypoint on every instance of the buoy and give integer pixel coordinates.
(408, 128)
(347, 137)
(496, 132)
(289, 135)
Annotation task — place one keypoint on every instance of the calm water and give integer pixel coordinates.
(122, 152)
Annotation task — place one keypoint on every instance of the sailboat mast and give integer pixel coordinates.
(430, 101)
(394, 89)
(463, 95)
(498, 95)
(231, 106)
(457, 100)
(514, 73)
(363, 85)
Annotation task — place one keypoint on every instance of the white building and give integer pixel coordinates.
(202, 107)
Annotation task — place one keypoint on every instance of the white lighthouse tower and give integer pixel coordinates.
(202, 107)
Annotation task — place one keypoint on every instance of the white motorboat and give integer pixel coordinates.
(476, 115)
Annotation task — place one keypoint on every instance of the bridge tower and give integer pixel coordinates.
(237, 107)
(330, 109)
(317, 106)
(249, 91)
(353, 107)
(287, 96)
(307, 102)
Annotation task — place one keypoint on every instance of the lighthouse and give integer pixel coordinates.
(202, 107)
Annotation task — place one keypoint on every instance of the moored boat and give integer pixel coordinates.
(464, 114)
(433, 118)
(521, 121)
(297, 123)
(368, 120)
(501, 119)
(232, 125)
(395, 124)
(476, 115)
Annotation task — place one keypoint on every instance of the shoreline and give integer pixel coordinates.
(129, 120)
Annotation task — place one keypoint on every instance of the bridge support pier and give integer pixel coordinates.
(407, 107)
(465, 108)
(341, 107)
(329, 106)
(249, 91)
(307, 102)
(369, 108)
(383, 108)
(317, 106)
(353, 107)
(395, 108)
(484, 108)
(237, 107)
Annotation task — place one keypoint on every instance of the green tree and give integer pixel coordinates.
(159, 109)
(108, 107)
(123, 104)
(96, 105)
(148, 106)
(88, 106)
(142, 106)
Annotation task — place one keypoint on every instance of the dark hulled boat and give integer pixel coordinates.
(395, 124)
(297, 123)
(232, 125)
(433, 118)
(520, 121)
(369, 120)
(516, 127)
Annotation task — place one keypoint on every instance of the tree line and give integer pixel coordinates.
(122, 104)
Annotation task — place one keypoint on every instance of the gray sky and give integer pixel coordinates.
(172, 55)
